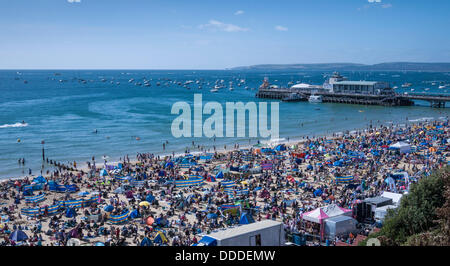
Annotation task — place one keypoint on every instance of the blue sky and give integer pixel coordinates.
(212, 34)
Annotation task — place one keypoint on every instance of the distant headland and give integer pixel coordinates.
(393, 66)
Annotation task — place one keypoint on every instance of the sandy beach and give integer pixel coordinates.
(278, 181)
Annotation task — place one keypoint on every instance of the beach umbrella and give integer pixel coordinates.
(18, 235)
(149, 220)
(103, 172)
(109, 208)
(144, 203)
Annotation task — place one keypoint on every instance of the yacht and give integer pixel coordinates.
(441, 86)
(214, 90)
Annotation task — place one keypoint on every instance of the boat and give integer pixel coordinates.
(441, 86)
(315, 99)
(214, 90)
(231, 88)
(406, 85)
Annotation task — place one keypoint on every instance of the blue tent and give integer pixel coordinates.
(219, 175)
(246, 219)
(160, 238)
(160, 221)
(40, 179)
(337, 163)
(18, 235)
(109, 208)
(169, 164)
(70, 212)
(135, 214)
(103, 172)
(281, 147)
(146, 242)
(318, 192)
(309, 167)
(150, 198)
(211, 216)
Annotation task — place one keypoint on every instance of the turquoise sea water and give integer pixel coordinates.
(66, 113)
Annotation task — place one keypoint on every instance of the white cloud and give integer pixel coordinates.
(374, 1)
(281, 28)
(386, 6)
(217, 25)
(74, 1)
(239, 12)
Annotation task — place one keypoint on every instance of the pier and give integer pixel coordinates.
(395, 99)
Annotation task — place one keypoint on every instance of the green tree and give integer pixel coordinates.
(418, 212)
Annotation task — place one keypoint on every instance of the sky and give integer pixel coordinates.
(213, 34)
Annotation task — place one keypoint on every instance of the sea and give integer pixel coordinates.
(60, 111)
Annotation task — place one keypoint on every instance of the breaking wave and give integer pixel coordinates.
(14, 125)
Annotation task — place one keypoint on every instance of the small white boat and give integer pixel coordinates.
(442, 87)
(315, 99)
(231, 89)
(406, 85)
(214, 90)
